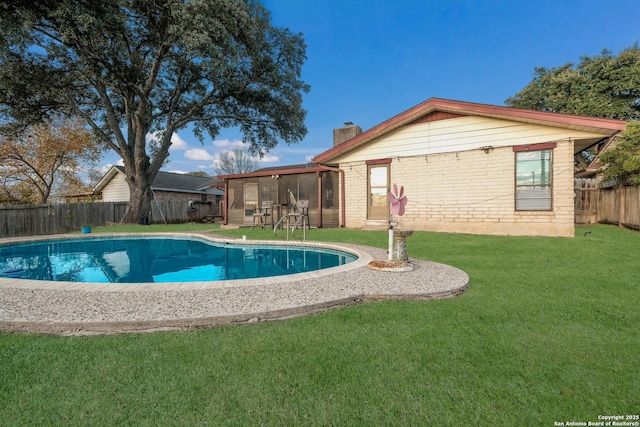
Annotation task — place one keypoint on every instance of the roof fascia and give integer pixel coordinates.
(471, 109)
(272, 172)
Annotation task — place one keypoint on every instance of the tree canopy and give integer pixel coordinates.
(44, 157)
(623, 160)
(604, 85)
(130, 68)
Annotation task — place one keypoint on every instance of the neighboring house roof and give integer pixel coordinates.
(451, 109)
(596, 164)
(168, 181)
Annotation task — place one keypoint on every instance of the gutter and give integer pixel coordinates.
(273, 171)
(225, 219)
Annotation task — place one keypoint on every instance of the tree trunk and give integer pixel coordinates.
(139, 208)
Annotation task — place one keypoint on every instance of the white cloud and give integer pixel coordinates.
(177, 143)
(224, 143)
(179, 171)
(269, 158)
(199, 154)
(150, 137)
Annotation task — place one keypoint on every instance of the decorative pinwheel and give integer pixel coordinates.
(398, 200)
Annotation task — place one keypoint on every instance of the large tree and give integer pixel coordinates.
(134, 67)
(604, 85)
(42, 157)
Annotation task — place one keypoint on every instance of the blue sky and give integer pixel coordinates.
(368, 60)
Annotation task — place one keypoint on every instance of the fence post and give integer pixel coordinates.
(623, 206)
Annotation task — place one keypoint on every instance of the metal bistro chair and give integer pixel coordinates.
(299, 215)
(263, 214)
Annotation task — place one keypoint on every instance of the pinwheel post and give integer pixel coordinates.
(398, 260)
(397, 245)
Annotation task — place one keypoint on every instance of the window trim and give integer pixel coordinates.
(377, 164)
(535, 147)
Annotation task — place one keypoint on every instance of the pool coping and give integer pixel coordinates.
(67, 308)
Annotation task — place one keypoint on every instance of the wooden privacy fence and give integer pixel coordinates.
(31, 220)
(585, 200)
(609, 205)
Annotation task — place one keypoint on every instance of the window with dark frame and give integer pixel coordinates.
(533, 179)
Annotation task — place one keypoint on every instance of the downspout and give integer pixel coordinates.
(319, 174)
(226, 202)
(342, 195)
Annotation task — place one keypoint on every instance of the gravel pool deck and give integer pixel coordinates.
(67, 308)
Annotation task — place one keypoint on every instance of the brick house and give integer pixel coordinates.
(465, 167)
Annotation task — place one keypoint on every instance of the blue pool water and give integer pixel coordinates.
(155, 259)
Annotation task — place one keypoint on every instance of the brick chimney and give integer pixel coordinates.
(349, 131)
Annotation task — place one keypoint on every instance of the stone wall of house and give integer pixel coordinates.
(467, 192)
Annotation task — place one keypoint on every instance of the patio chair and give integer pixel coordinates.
(300, 215)
(263, 214)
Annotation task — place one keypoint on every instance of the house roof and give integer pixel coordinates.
(606, 127)
(167, 181)
(278, 170)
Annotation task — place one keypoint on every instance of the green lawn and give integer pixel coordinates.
(548, 331)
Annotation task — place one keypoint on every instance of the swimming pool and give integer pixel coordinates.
(160, 259)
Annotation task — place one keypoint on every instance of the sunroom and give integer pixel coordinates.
(283, 188)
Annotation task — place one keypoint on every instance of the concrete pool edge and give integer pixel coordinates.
(127, 327)
(80, 312)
